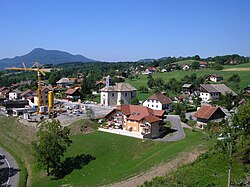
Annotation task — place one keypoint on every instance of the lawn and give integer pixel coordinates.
(116, 157)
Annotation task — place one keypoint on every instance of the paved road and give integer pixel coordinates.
(176, 125)
(9, 170)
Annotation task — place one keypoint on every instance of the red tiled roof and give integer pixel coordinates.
(205, 112)
(161, 98)
(99, 82)
(151, 68)
(71, 91)
(2, 88)
(152, 119)
(137, 113)
(202, 63)
(46, 87)
(26, 92)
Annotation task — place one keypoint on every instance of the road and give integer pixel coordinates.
(176, 125)
(99, 110)
(9, 170)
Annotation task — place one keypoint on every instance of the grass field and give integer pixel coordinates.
(242, 72)
(116, 157)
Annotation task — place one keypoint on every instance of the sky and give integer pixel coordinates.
(126, 30)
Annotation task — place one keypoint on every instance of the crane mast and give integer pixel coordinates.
(38, 68)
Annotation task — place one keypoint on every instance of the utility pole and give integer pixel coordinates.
(230, 164)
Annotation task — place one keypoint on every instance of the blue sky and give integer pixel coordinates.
(126, 30)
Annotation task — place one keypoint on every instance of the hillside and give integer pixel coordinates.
(43, 57)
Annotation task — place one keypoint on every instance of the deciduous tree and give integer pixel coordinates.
(51, 144)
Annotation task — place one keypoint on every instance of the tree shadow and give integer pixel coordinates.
(165, 131)
(5, 173)
(72, 163)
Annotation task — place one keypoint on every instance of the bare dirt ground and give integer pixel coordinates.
(160, 170)
(237, 69)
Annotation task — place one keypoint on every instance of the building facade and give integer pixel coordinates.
(158, 102)
(120, 93)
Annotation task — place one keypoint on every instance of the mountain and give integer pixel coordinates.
(43, 57)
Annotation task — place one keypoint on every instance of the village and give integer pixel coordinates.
(118, 111)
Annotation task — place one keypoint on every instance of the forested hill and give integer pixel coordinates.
(43, 57)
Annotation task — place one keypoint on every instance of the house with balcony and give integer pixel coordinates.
(140, 121)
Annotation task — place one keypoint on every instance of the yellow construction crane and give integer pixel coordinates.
(38, 68)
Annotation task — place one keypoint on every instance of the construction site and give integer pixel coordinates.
(32, 106)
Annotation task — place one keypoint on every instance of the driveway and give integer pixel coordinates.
(176, 125)
(9, 170)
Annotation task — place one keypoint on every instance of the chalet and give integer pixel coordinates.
(120, 93)
(150, 70)
(27, 94)
(65, 82)
(203, 64)
(209, 92)
(188, 89)
(207, 113)
(145, 122)
(158, 102)
(185, 67)
(215, 78)
(73, 94)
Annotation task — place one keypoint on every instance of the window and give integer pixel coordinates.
(113, 95)
(148, 105)
(152, 105)
(156, 106)
(126, 94)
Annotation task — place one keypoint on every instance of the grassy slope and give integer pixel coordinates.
(16, 139)
(208, 171)
(119, 157)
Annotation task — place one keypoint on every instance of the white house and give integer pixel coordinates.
(158, 102)
(120, 93)
(215, 78)
(185, 67)
(15, 95)
(209, 92)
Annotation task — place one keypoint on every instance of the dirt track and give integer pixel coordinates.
(237, 69)
(160, 170)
